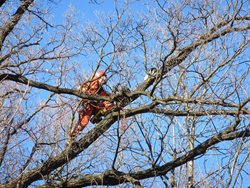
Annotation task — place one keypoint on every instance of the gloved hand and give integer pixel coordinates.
(102, 111)
(98, 116)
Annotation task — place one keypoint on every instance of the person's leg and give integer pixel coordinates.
(84, 117)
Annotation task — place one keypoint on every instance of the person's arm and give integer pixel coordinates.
(93, 88)
(89, 87)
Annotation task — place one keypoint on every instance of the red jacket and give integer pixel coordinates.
(94, 88)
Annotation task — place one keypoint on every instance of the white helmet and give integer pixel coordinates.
(101, 76)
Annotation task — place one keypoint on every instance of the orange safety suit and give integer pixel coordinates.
(91, 108)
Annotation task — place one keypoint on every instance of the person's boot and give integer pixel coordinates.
(76, 131)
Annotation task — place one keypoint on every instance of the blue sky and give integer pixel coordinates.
(88, 10)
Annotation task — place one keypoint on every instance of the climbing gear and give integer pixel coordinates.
(122, 100)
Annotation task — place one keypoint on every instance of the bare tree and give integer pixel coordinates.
(186, 124)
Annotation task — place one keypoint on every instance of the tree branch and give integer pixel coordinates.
(77, 147)
(40, 85)
(111, 177)
(8, 27)
(2, 2)
(204, 39)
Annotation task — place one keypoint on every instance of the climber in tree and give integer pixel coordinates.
(92, 87)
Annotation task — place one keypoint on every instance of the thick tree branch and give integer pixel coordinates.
(188, 113)
(47, 87)
(152, 108)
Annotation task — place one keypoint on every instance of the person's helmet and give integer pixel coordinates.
(101, 76)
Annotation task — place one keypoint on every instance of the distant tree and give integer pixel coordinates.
(185, 125)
